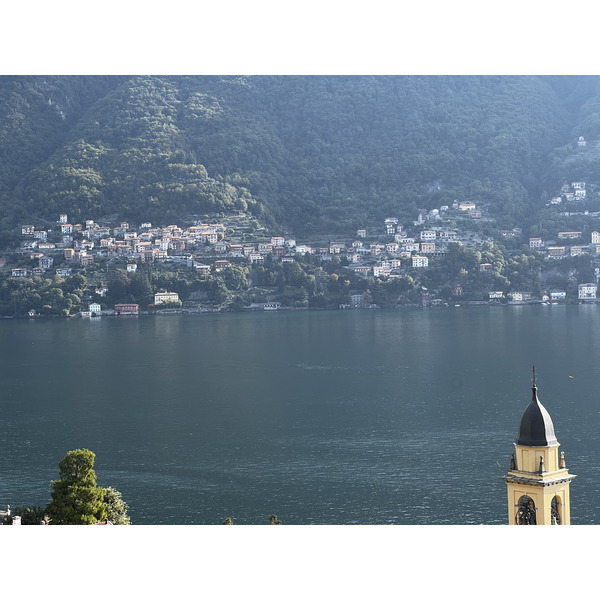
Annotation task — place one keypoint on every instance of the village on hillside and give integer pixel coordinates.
(393, 249)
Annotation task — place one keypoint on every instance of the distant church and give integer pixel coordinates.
(538, 480)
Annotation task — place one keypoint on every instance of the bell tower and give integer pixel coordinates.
(538, 480)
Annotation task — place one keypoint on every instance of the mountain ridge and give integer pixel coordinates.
(307, 153)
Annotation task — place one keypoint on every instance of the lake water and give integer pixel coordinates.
(349, 417)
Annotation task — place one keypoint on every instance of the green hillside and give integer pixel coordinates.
(311, 154)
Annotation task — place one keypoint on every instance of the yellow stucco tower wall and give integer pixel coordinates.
(538, 480)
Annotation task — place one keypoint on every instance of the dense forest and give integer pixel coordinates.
(306, 154)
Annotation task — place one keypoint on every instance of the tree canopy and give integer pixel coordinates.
(116, 507)
(76, 499)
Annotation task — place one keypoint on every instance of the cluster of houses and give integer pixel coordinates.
(83, 245)
(144, 244)
(95, 308)
(210, 248)
(412, 251)
(570, 192)
(569, 243)
(586, 292)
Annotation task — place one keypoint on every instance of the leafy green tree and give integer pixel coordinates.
(218, 292)
(118, 286)
(74, 282)
(116, 507)
(235, 278)
(76, 499)
(141, 289)
(318, 301)
(237, 304)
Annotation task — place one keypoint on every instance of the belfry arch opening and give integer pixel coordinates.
(525, 511)
(556, 509)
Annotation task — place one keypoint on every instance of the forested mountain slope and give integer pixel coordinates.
(319, 153)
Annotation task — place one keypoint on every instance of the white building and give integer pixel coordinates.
(381, 271)
(420, 262)
(587, 291)
(535, 243)
(302, 249)
(256, 257)
(357, 301)
(94, 308)
(45, 262)
(166, 297)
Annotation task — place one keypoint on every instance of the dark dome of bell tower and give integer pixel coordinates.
(536, 427)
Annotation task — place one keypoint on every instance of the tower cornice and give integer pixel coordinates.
(534, 481)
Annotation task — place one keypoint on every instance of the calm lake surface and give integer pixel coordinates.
(349, 417)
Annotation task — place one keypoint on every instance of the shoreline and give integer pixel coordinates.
(202, 311)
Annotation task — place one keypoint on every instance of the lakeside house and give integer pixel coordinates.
(587, 291)
(520, 296)
(94, 310)
(127, 309)
(264, 306)
(557, 295)
(166, 298)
